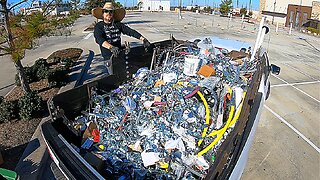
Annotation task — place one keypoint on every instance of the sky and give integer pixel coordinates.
(129, 3)
(255, 3)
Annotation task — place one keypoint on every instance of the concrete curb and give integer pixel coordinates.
(31, 163)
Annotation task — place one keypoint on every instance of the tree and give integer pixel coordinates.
(19, 33)
(14, 45)
(225, 6)
(243, 11)
(75, 4)
(90, 4)
(140, 4)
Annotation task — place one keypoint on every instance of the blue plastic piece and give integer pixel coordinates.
(87, 144)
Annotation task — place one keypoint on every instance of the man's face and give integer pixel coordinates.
(107, 15)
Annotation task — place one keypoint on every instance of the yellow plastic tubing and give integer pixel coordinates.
(235, 118)
(204, 132)
(223, 130)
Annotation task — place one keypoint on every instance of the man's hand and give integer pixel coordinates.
(115, 51)
(146, 44)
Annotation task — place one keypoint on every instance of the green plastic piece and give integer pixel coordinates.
(8, 174)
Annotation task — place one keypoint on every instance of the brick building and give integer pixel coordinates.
(298, 15)
(285, 12)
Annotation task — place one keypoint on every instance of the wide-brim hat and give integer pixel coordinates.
(118, 14)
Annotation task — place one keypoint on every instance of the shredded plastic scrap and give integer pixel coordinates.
(170, 122)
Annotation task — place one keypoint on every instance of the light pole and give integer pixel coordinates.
(274, 10)
(180, 1)
(301, 16)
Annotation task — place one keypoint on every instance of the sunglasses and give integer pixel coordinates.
(108, 11)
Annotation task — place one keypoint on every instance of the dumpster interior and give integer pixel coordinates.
(164, 114)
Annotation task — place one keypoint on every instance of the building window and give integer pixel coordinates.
(291, 16)
(304, 18)
(297, 20)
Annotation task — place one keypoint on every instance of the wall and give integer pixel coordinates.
(298, 15)
(262, 5)
(281, 6)
(315, 14)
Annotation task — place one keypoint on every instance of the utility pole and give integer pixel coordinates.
(300, 17)
(274, 10)
(180, 2)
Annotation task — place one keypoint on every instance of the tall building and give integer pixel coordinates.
(154, 5)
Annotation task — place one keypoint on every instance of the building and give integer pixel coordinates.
(35, 7)
(2, 20)
(53, 9)
(315, 14)
(154, 5)
(285, 12)
(59, 10)
(297, 15)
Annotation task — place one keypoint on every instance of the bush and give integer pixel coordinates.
(7, 110)
(68, 63)
(30, 73)
(58, 77)
(29, 105)
(42, 72)
(41, 68)
(313, 30)
(243, 11)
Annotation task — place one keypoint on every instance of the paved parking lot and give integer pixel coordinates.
(287, 141)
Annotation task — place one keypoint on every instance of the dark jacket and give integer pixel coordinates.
(112, 34)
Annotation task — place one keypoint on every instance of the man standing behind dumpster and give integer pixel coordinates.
(107, 33)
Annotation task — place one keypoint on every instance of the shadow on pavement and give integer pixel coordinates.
(11, 156)
(138, 22)
(7, 86)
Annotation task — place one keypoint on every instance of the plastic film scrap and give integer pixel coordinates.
(168, 123)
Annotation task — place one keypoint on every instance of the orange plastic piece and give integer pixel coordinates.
(159, 83)
(206, 71)
(96, 135)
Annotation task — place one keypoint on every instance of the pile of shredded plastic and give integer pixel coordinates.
(169, 122)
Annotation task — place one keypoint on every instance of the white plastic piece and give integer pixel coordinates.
(238, 95)
(202, 163)
(219, 121)
(175, 144)
(148, 104)
(191, 64)
(169, 77)
(189, 140)
(149, 158)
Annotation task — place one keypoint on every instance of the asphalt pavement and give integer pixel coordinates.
(287, 140)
